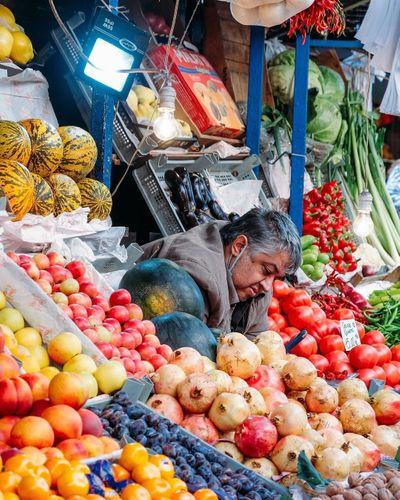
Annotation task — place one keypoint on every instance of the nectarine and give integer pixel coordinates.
(93, 445)
(68, 388)
(64, 420)
(91, 423)
(73, 449)
(32, 431)
(39, 385)
(63, 347)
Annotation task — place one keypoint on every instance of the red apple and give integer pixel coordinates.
(152, 339)
(78, 310)
(165, 351)
(103, 334)
(116, 339)
(150, 328)
(45, 286)
(82, 323)
(91, 334)
(80, 298)
(129, 364)
(158, 361)
(120, 298)
(115, 324)
(115, 352)
(56, 259)
(140, 366)
(106, 349)
(45, 275)
(102, 302)
(13, 256)
(24, 259)
(66, 310)
(56, 288)
(69, 286)
(59, 273)
(135, 311)
(89, 289)
(136, 325)
(120, 313)
(41, 260)
(129, 340)
(2, 340)
(96, 311)
(124, 352)
(136, 334)
(140, 374)
(31, 270)
(76, 268)
(134, 355)
(146, 351)
(148, 365)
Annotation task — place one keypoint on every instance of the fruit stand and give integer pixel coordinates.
(112, 385)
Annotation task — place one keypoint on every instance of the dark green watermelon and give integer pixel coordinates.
(160, 286)
(183, 330)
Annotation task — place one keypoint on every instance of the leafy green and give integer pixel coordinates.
(308, 473)
(324, 120)
(332, 86)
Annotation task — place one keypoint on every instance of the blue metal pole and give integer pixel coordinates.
(299, 131)
(255, 88)
(101, 127)
(336, 44)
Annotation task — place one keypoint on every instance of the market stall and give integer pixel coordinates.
(116, 379)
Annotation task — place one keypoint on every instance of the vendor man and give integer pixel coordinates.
(235, 264)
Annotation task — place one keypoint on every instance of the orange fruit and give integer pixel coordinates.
(205, 494)
(33, 487)
(182, 495)
(164, 464)
(119, 473)
(9, 481)
(133, 455)
(20, 464)
(56, 467)
(9, 496)
(135, 492)
(72, 482)
(142, 473)
(42, 471)
(112, 494)
(177, 484)
(157, 488)
(80, 466)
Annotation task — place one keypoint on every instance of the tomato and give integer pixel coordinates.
(366, 375)
(384, 354)
(291, 331)
(379, 373)
(135, 492)
(158, 488)
(343, 314)
(374, 337)
(274, 307)
(272, 325)
(320, 363)
(361, 330)
(285, 337)
(301, 317)
(306, 347)
(340, 368)
(319, 315)
(72, 482)
(205, 494)
(331, 343)
(133, 454)
(281, 289)
(33, 487)
(296, 298)
(392, 374)
(363, 356)
(332, 327)
(337, 356)
(395, 350)
(164, 464)
(279, 320)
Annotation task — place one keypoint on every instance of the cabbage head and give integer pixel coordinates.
(281, 76)
(324, 120)
(332, 85)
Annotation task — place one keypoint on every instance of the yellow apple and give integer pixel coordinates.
(10, 340)
(63, 347)
(29, 364)
(12, 318)
(40, 354)
(50, 371)
(110, 376)
(91, 383)
(28, 337)
(3, 301)
(80, 363)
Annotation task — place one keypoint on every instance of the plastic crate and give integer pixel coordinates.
(150, 181)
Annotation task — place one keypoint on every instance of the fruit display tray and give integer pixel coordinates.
(149, 178)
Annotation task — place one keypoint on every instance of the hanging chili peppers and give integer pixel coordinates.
(324, 16)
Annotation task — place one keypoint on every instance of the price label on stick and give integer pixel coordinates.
(350, 336)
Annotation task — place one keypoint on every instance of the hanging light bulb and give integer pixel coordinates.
(363, 224)
(165, 127)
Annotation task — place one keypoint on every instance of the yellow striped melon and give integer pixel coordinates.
(44, 199)
(96, 196)
(67, 196)
(15, 143)
(47, 148)
(17, 185)
(80, 152)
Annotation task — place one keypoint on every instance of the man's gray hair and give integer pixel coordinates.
(269, 232)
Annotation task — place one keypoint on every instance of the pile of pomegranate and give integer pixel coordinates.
(113, 324)
(262, 407)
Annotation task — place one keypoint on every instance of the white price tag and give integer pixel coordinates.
(350, 336)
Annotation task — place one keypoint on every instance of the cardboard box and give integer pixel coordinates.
(201, 92)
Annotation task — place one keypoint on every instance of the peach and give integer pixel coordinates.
(91, 423)
(6, 424)
(32, 431)
(28, 337)
(63, 347)
(68, 388)
(52, 452)
(92, 444)
(73, 449)
(64, 420)
(109, 444)
(39, 385)
(39, 406)
(15, 397)
(8, 367)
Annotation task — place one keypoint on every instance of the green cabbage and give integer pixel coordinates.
(324, 120)
(281, 76)
(332, 85)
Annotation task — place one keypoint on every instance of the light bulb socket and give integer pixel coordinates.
(167, 97)
(365, 202)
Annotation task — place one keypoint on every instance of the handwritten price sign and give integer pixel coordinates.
(348, 329)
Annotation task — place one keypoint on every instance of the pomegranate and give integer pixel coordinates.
(354, 456)
(369, 450)
(238, 385)
(228, 411)
(255, 401)
(202, 427)
(289, 418)
(324, 421)
(196, 393)
(256, 437)
(188, 359)
(167, 406)
(166, 379)
(386, 440)
(352, 388)
(208, 364)
(272, 398)
(333, 463)
(299, 396)
(298, 374)
(271, 347)
(230, 449)
(322, 398)
(357, 416)
(266, 376)
(287, 450)
(314, 437)
(237, 356)
(332, 438)
(386, 404)
(262, 466)
(221, 379)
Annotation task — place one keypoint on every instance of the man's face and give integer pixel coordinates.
(254, 275)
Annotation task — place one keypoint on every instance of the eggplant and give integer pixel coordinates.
(213, 205)
(204, 217)
(197, 190)
(179, 193)
(184, 175)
